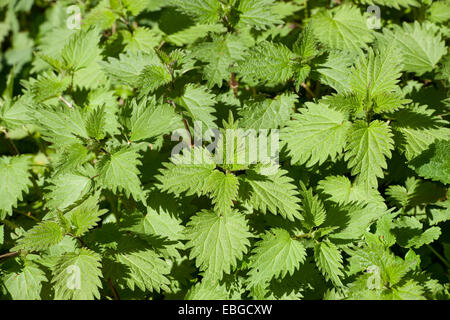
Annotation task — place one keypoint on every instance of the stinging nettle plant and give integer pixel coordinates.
(95, 203)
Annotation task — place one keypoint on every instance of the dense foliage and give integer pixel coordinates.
(94, 206)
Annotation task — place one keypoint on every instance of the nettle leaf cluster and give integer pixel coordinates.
(93, 205)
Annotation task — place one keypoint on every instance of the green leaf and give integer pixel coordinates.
(220, 54)
(49, 86)
(276, 194)
(267, 113)
(314, 211)
(342, 28)
(61, 125)
(316, 134)
(375, 75)
(207, 289)
(95, 123)
(411, 290)
(335, 71)
(14, 114)
(15, 177)
(150, 120)
(342, 191)
(164, 226)
(198, 103)
(85, 216)
(128, 68)
(276, 255)
(329, 260)
(187, 172)
(417, 128)
(67, 189)
(267, 63)
(153, 77)
(439, 11)
(146, 270)
(217, 242)
(76, 276)
(203, 11)
(26, 284)
(434, 163)
(81, 50)
(421, 45)
(257, 13)
(191, 34)
(397, 4)
(40, 237)
(118, 172)
(366, 151)
(224, 190)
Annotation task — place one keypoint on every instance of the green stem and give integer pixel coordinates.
(439, 256)
(306, 9)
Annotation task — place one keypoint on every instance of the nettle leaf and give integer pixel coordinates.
(421, 45)
(409, 232)
(85, 216)
(276, 255)
(191, 34)
(187, 172)
(217, 242)
(267, 113)
(198, 102)
(164, 226)
(335, 70)
(366, 151)
(267, 63)
(67, 189)
(129, 67)
(81, 49)
(15, 113)
(316, 134)
(418, 128)
(118, 172)
(376, 73)
(438, 12)
(49, 86)
(398, 4)
(220, 54)
(343, 28)
(341, 190)
(224, 190)
(150, 120)
(314, 211)
(329, 260)
(257, 13)
(434, 162)
(275, 194)
(207, 289)
(15, 177)
(76, 276)
(26, 284)
(154, 76)
(41, 236)
(146, 270)
(62, 125)
(203, 11)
